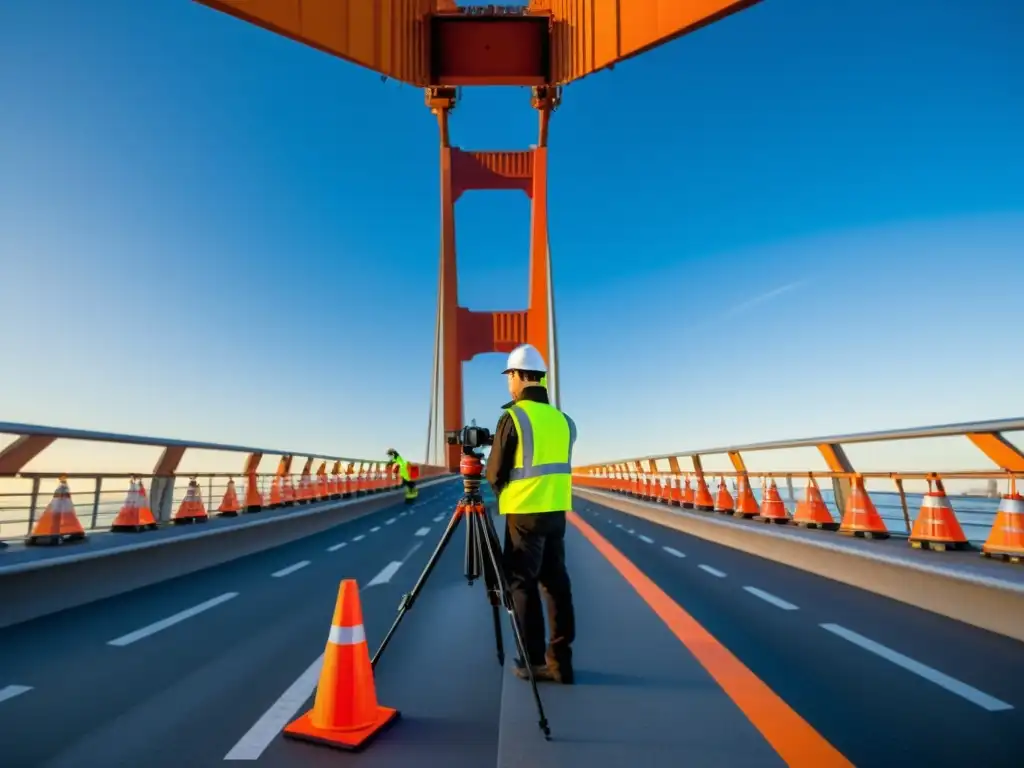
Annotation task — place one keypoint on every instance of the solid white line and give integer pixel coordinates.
(768, 597)
(360, 537)
(266, 729)
(375, 529)
(170, 621)
(422, 531)
(675, 552)
(644, 538)
(336, 547)
(385, 575)
(952, 685)
(439, 518)
(712, 571)
(13, 690)
(389, 522)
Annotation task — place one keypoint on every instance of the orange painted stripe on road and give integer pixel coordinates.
(792, 737)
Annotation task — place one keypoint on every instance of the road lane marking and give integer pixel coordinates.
(951, 684)
(273, 721)
(674, 552)
(390, 521)
(290, 569)
(360, 537)
(646, 539)
(631, 532)
(375, 529)
(712, 571)
(439, 518)
(792, 737)
(170, 621)
(386, 573)
(10, 691)
(336, 547)
(768, 597)
(422, 531)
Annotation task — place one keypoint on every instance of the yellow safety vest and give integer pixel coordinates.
(541, 479)
(403, 468)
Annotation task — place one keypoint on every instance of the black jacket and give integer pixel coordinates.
(503, 451)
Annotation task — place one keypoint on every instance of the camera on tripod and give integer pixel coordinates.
(470, 437)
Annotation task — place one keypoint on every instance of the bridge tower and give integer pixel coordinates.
(439, 45)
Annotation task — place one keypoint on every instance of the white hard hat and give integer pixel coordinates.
(525, 358)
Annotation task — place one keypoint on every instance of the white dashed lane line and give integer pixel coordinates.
(375, 529)
(646, 539)
(674, 552)
(768, 597)
(10, 691)
(422, 531)
(390, 521)
(290, 569)
(170, 621)
(336, 547)
(360, 537)
(951, 684)
(439, 518)
(386, 573)
(712, 571)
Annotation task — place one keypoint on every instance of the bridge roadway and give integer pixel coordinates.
(106, 685)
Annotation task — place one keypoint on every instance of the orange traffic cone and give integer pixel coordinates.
(861, 519)
(253, 497)
(773, 508)
(703, 500)
(724, 504)
(59, 523)
(135, 514)
(688, 495)
(746, 504)
(287, 491)
(345, 713)
(229, 504)
(192, 509)
(1006, 539)
(812, 512)
(936, 526)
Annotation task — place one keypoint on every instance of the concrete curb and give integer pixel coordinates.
(40, 588)
(981, 601)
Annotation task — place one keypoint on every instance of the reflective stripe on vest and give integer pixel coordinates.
(541, 478)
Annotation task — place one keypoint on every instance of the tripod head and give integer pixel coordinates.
(472, 469)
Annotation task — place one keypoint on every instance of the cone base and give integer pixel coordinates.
(746, 515)
(863, 534)
(833, 526)
(228, 513)
(350, 740)
(53, 539)
(189, 520)
(1005, 555)
(777, 520)
(132, 527)
(935, 545)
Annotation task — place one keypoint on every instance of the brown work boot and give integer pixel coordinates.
(541, 673)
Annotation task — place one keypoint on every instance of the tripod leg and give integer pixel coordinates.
(490, 584)
(473, 559)
(490, 541)
(410, 598)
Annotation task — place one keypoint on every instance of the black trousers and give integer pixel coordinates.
(534, 562)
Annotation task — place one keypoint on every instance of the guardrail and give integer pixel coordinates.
(36, 503)
(994, 520)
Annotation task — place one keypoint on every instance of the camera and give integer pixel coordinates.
(470, 437)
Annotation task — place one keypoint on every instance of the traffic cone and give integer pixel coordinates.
(703, 500)
(345, 713)
(253, 497)
(192, 509)
(1006, 539)
(135, 514)
(936, 526)
(688, 495)
(59, 524)
(861, 519)
(812, 512)
(229, 504)
(287, 491)
(773, 508)
(724, 504)
(746, 504)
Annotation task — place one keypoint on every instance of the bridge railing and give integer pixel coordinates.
(165, 484)
(850, 496)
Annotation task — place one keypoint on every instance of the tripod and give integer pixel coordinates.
(482, 559)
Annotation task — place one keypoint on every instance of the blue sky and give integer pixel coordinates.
(806, 219)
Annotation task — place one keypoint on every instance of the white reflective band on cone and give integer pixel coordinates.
(936, 502)
(1012, 506)
(347, 635)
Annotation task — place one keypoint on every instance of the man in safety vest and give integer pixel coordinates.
(403, 472)
(530, 471)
